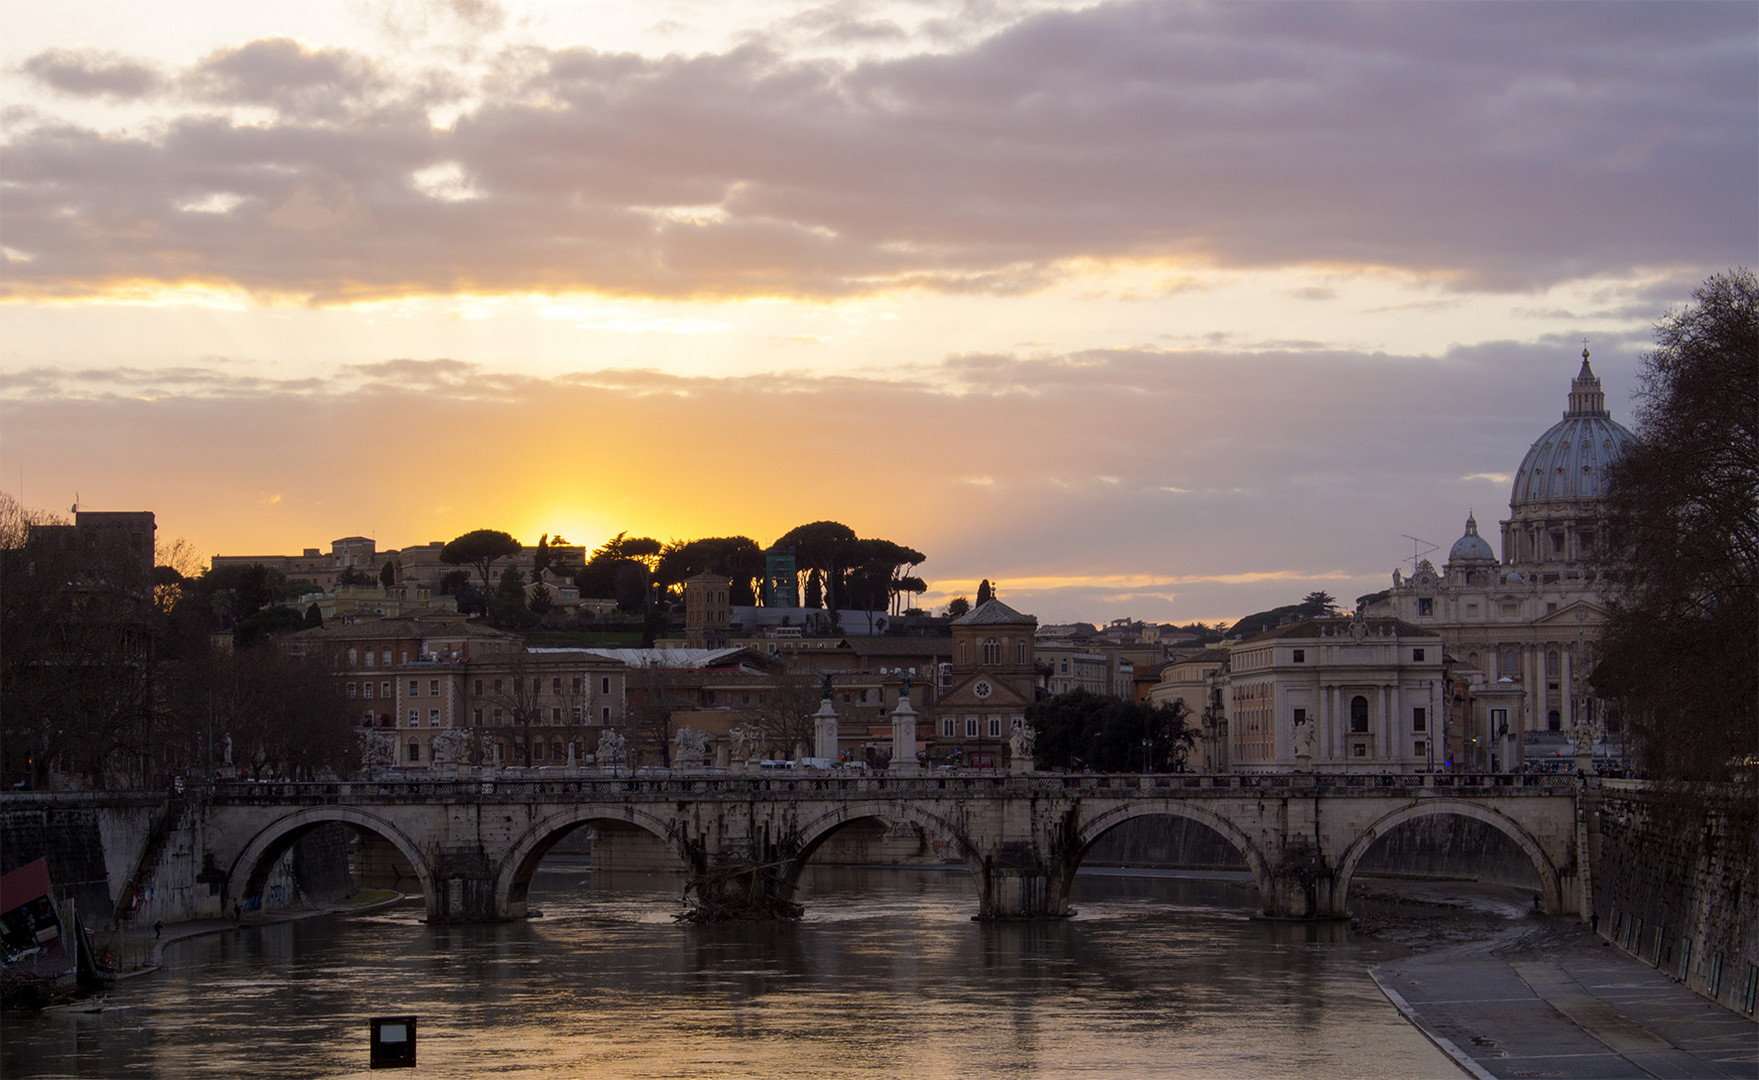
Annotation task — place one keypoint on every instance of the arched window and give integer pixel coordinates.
(369, 657)
(1511, 664)
(353, 657)
(1359, 714)
(414, 751)
(1551, 666)
(961, 653)
(992, 651)
(1020, 651)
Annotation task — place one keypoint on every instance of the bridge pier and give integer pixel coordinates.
(464, 888)
(1303, 884)
(1016, 883)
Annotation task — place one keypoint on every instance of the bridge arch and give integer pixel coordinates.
(815, 832)
(251, 869)
(1551, 887)
(1089, 831)
(513, 877)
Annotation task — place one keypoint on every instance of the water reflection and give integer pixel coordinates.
(887, 976)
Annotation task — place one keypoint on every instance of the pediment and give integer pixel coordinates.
(963, 694)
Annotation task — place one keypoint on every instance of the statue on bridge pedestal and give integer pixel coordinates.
(378, 750)
(1020, 744)
(742, 746)
(612, 749)
(1305, 734)
(449, 747)
(691, 748)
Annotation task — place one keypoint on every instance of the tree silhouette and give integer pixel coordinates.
(480, 548)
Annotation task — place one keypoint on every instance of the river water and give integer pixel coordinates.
(886, 976)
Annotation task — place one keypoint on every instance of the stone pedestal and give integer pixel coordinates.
(824, 728)
(903, 740)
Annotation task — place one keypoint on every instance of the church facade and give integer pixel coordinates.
(1521, 632)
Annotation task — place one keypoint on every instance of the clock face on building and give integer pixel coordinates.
(981, 688)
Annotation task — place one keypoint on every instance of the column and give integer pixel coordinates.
(1385, 722)
(1395, 729)
(1567, 702)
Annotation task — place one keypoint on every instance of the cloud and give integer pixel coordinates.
(90, 73)
(1502, 147)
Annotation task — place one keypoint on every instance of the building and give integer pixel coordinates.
(102, 543)
(990, 683)
(1336, 695)
(1528, 626)
(411, 679)
(1199, 683)
(358, 559)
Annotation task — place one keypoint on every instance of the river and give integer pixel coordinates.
(886, 976)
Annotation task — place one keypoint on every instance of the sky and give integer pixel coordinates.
(1139, 310)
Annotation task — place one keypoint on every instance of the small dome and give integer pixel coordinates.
(1471, 547)
(1570, 460)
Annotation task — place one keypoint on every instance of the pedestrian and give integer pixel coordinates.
(1594, 923)
(159, 929)
(237, 913)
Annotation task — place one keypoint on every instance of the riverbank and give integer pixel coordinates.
(170, 933)
(1509, 994)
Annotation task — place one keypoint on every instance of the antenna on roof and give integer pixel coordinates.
(1418, 549)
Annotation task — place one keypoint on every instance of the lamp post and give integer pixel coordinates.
(1147, 759)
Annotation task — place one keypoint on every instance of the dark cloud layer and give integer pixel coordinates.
(1490, 145)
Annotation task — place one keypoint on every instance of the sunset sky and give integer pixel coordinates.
(1151, 310)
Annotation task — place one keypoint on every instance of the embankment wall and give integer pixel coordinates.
(1676, 882)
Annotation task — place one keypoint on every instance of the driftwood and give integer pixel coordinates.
(740, 891)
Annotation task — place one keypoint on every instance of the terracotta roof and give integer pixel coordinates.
(994, 613)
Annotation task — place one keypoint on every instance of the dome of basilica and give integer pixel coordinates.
(1471, 547)
(1570, 460)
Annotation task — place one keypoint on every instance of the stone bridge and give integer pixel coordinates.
(475, 843)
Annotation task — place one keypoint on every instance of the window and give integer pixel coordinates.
(577, 714)
(385, 690)
(1422, 748)
(971, 727)
(1417, 656)
(497, 686)
(433, 688)
(949, 727)
(1359, 714)
(433, 718)
(605, 685)
(1499, 723)
(556, 714)
(415, 718)
(995, 727)
(369, 658)
(476, 717)
(498, 720)
(575, 684)
(961, 653)
(1020, 651)
(352, 657)
(367, 690)
(537, 685)
(404, 656)
(350, 691)
(478, 688)
(1511, 664)
(556, 685)
(414, 751)
(1300, 656)
(1359, 750)
(1300, 716)
(1425, 606)
(992, 651)
(605, 714)
(414, 688)
(1551, 664)
(387, 657)
(1419, 720)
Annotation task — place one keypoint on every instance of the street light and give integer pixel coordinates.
(1147, 750)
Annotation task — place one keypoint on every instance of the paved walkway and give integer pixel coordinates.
(1554, 1000)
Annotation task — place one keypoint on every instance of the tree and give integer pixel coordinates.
(1681, 559)
(735, 557)
(985, 593)
(1319, 605)
(480, 548)
(1081, 729)
(821, 546)
(621, 568)
(388, 574)
(958, 607)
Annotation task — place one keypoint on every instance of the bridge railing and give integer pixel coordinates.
(975, 784)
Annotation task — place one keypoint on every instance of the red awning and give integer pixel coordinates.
(24, 884)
